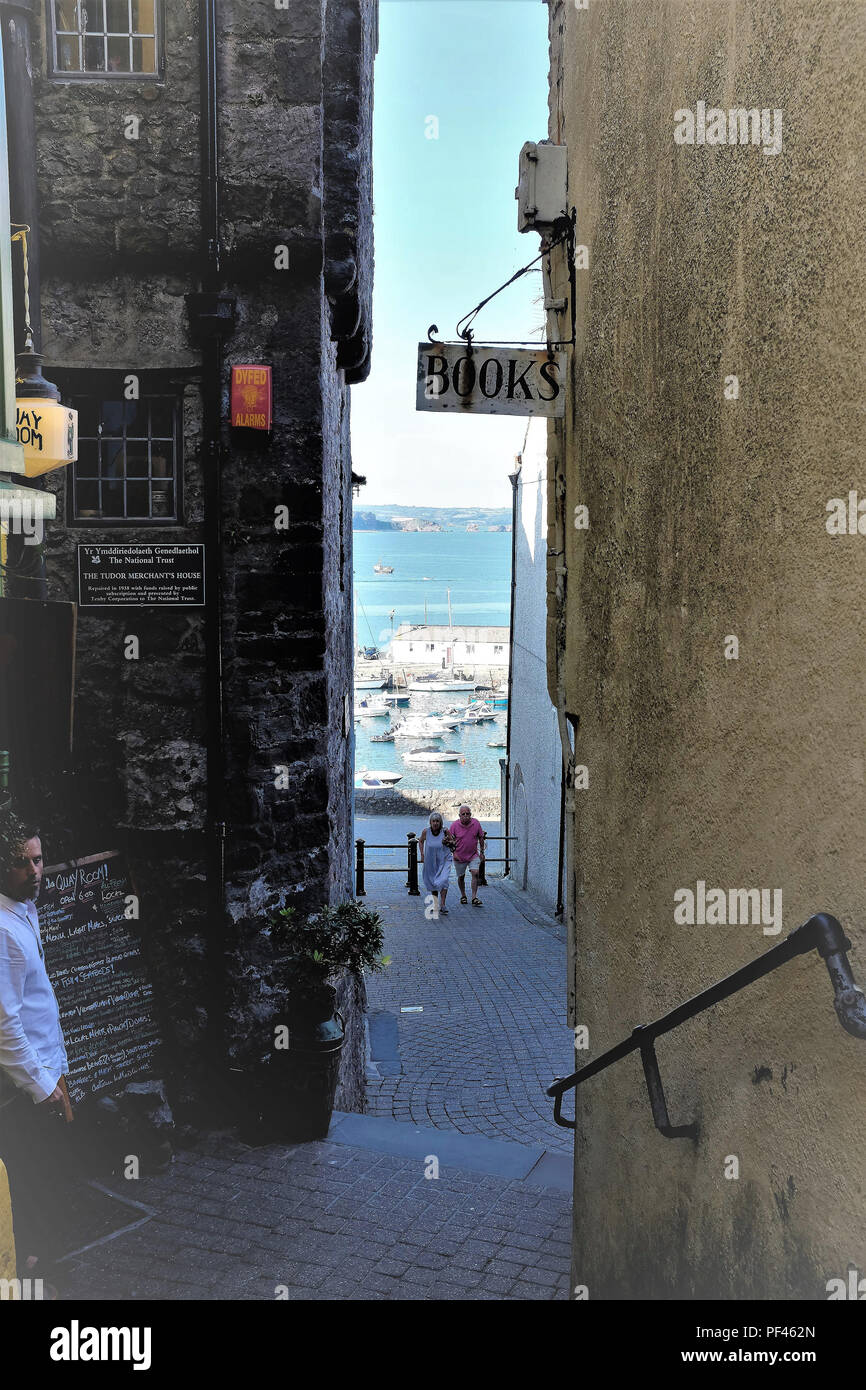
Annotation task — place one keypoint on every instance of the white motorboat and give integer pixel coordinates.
(383, 569)
(497, 743)
(365, 684)
(476, 712)
(367, 778)
(439, 685)
(432, 755)
(387, 736)
(419, 726)
(371, 709)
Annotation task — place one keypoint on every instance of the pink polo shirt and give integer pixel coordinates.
(467, 839)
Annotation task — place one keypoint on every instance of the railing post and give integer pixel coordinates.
(482, 877)
(507, 861)
(412, 881)
(359, 869)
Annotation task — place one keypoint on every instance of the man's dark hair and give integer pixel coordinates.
(29, 831)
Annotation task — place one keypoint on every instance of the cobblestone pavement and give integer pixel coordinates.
(492, 1035)
(329, 1221)
(357, 1216)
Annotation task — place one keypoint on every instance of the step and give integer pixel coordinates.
(530, 1163)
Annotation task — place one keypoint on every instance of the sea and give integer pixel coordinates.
(475, 566)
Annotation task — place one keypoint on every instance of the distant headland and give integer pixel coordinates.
(397, 518)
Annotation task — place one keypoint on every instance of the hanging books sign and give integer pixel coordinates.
(479, 380)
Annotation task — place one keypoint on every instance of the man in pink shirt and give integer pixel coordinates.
(469, 853)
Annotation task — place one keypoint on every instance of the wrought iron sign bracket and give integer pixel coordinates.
(822, 933)
(564, 231)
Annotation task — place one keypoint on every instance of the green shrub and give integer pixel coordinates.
(317, 946)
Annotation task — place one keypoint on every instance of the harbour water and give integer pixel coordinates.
(476, 567)
(479, 765)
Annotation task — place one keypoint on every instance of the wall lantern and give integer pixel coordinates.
(47, 430)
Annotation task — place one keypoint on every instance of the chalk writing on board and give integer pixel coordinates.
(94, 959)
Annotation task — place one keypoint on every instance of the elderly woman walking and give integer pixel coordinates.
(436, 844)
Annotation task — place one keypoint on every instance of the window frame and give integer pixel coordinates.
(57, 74)
(101, 384)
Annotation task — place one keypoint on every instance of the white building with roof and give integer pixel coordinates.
(441, 645)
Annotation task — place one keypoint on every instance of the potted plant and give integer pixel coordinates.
(313, 949)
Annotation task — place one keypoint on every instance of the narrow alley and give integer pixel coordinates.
(455, 1185)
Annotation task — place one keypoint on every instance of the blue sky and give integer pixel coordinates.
(446, 234)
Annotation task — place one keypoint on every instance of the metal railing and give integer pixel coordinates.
(822, 933)
(362, 868)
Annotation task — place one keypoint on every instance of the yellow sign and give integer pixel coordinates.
(48, 432)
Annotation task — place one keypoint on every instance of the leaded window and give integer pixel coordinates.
(105, 38)
(129, 459)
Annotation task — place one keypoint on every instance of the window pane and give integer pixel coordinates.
(112, 458)
(68, 55)
(112, 499)
(143, 55)
(117, 14)
(161, 465)
(94, 55)
(163, 500)
(118, 55)
(162, 418)
(143, 17)
(88, 419)
(136, 460)
(88, 458)
(137, 499)
(135, 417)
(94, 16)
(113, 415)
(86, 499)
(65, 16)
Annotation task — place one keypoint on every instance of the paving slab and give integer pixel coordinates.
(487, 1031)
(365, 1225)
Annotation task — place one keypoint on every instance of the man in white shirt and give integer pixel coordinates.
(34, 1100)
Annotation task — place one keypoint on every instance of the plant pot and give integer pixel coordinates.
(303, 1077)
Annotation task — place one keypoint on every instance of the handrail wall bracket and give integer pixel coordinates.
(821, 932)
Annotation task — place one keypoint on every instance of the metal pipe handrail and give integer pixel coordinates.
(362, 868)
(821, 932)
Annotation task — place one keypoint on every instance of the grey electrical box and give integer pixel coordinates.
(542, 189)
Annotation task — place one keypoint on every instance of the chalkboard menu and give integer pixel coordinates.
(93, 957)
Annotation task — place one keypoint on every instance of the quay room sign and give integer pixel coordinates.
(251, 398)
(94, 960)
(140, 576)
(490, 381)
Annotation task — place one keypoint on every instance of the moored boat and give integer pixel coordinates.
(367, 777)
(432, 755)
(439, 685)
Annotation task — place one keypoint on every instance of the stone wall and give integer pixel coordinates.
(416, 801)
(120, 251)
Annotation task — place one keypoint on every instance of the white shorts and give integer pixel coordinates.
(473, 866)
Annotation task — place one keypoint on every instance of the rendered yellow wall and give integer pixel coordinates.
(707, 519)
(7, 1238)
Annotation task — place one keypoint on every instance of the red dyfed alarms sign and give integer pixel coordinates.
(251, 398)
